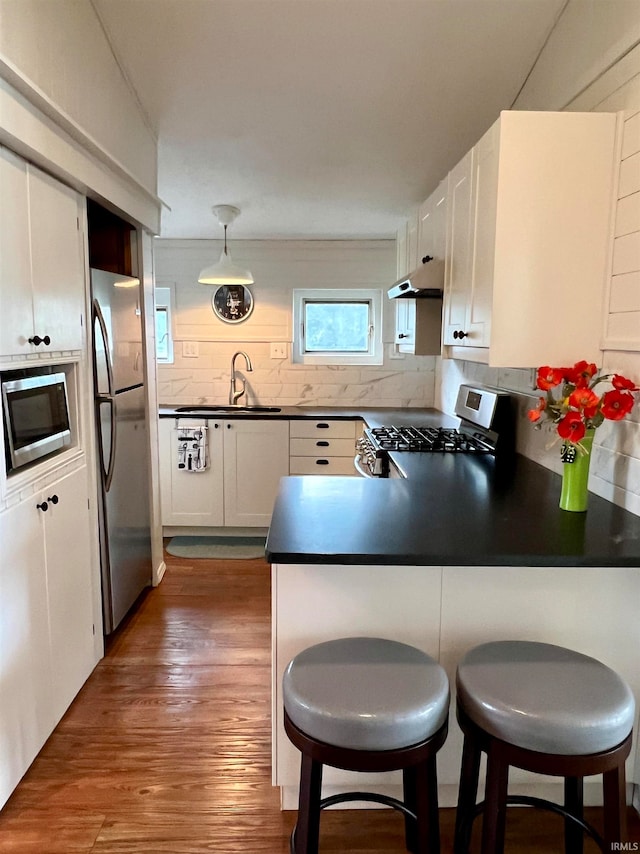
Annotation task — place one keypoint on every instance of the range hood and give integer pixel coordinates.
(425, 282)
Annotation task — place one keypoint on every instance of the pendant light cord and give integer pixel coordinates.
(225, 239)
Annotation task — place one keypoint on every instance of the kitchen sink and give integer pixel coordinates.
(236, 408)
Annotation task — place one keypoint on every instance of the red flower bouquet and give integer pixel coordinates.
(578, 406)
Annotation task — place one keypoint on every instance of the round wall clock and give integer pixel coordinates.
(232, 303)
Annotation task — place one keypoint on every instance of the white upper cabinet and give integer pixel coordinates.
(412, 243)
(432, 225)
(418, 320)
(401, 252)
(527, 240)
(458, 258)
(42, 281)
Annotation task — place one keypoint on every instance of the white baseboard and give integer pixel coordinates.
(159, 574)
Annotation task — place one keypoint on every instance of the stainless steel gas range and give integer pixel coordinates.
(486, 427)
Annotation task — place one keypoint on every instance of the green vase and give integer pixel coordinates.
(575, 475)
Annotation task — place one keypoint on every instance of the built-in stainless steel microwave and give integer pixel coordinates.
(36, 417)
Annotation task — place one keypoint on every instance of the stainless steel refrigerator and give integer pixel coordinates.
(123, 447)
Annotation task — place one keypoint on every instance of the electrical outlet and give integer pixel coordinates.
(190, 349)
(279, 350)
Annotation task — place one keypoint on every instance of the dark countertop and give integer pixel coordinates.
(285, 413)
(374, 416)
(450, 510)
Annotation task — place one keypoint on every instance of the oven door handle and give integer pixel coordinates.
(362, 470)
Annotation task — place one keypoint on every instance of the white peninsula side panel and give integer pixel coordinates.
(311, 604)
(445, 611)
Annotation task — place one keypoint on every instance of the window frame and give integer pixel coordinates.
(374, 353)
(163, 301)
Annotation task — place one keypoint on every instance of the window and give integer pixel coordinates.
(164, 336)
(337, 327)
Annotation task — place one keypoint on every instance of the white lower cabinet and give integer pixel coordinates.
(188, 497)
(256, 456)
(326, 446)
(245, 461)
(46, 628)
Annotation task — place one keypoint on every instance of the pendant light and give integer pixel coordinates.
(225, 272)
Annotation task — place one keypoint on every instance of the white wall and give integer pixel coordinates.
(278, 267)
(61, 49)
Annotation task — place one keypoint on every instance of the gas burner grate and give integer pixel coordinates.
(426, 439)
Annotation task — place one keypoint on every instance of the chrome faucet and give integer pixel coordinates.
(235, 395)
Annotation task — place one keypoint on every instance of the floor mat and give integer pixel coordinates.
(225, 548)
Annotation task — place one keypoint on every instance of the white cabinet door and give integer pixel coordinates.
(69, 586)
(256, 456)
(458, 260)
(57, 263)
(418, 322)
(552, 244)
(405, 325)
(401, 252)
(46, 623)
(528, 230)
(42, 285)
(189, 498)
(16, 312)
(26, 716)
(412, 243)
(477, 323)
(432, 225)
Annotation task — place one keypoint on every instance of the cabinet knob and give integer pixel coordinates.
(427, 258)
(37, 340)
(460, 334)
(53, 499)
(405, 335)
(44, 506)
(228, 426)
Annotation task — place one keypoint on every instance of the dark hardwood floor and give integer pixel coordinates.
(166, 749)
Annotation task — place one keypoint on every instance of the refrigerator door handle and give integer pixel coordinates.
(97, 315)
(108, 470)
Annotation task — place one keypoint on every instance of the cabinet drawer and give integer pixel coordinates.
(320, 446)
(322, 465)
(322, 428)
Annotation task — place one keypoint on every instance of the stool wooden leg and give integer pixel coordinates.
(467, 795)
(427, 806)
(573, 803)
(308, 827)
(495, 805)
(421, 796)
(409, 794)
(615, 806)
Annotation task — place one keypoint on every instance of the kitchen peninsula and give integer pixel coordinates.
(462, 551)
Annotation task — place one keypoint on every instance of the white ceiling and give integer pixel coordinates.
(317, 118)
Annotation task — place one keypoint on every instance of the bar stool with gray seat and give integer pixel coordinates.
(549, 710)
(367, 704)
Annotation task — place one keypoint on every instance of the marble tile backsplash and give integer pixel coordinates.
(281, 383)
(615, 466)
